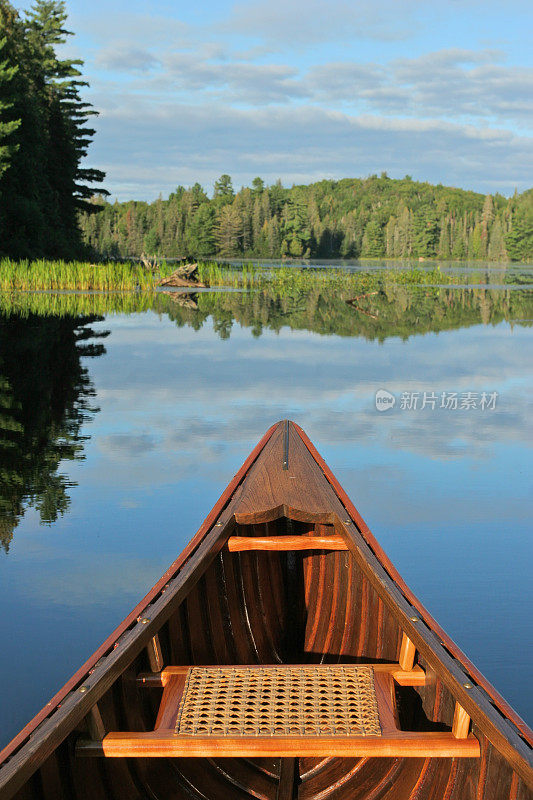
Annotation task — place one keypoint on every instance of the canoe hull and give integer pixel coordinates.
(220, 606)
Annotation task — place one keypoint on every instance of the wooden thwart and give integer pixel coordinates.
(415, 677)
(240, 543)
(164, 744)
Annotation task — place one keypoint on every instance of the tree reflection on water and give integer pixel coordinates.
(45, 397)
(46, 392)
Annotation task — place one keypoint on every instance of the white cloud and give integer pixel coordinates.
(126, 57)
(177, 143)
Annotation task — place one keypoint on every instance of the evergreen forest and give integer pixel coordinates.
(51, 204)
(375, 217)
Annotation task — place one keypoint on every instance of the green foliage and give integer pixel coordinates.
(7, 126)
(373, 305)
(43, 136)
(519, 239)
(373, 245)
(377, 217)
(224, 188)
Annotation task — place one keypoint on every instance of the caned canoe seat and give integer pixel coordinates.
(285, 710)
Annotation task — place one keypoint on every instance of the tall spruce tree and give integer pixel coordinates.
(7, 126)
(44, 186)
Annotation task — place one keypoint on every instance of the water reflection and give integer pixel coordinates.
(45, 392)
(45, 397)
(188, 385)
(393, 310)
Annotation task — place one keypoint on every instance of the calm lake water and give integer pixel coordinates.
(120, 431)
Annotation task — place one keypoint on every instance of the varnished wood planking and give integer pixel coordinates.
(266, 591)
(270, 492)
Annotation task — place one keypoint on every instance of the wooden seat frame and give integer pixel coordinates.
(163, 741)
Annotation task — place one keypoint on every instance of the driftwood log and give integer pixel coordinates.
(186, 275)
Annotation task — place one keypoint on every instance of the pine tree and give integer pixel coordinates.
(373, 245)
(68, 115)
(487, 218)
(201, 232)
(497, 250)
(444, 241)
(7, 126)
(519, 240)
(43, 185)
(258, 186)
(427, 233)
(224, 189)
(229, 231)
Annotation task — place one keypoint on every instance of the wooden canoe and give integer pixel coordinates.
(283, 578)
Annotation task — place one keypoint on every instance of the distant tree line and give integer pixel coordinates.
(350, 218)
(43, 136)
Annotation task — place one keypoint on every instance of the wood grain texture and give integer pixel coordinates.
(104, 648)
(239, 543)
(415, 677)
(461, 722)
(376, 548)
(166, 744)
(407, 653)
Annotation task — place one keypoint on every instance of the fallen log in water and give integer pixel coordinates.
(186, 275)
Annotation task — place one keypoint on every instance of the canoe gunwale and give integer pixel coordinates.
(78, 703)
(496, 720)
(506, 710)
(31, 736)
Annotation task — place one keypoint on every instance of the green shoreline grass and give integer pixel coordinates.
(45, 275)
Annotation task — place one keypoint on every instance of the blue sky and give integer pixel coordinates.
(307, 90)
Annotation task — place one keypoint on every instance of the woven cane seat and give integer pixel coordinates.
(314, 710)
(324, 700)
